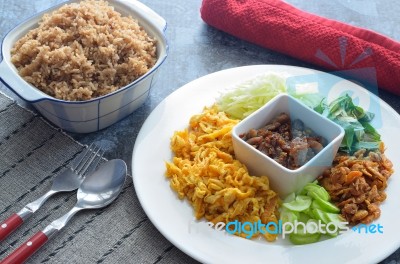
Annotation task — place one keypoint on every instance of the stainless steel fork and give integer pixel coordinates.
(68, 180)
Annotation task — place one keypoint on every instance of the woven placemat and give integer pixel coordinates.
(32, 153)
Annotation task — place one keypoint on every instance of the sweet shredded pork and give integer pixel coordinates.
(357, 184)
(84, 50)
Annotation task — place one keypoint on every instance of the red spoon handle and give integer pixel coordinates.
(21, 254)
(9, 225)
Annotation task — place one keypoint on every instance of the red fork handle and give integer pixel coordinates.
(9, 225)
(21, 254)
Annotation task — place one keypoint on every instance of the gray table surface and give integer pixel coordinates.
(197, 49)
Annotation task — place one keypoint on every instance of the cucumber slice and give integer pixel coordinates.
(326, 206)
(304, 217)
(289, 198)
(315, 191)
(300, 239)
(321, 215)
(288, 216)
(301, 203)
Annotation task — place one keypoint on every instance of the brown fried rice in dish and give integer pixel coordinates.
(84, 50)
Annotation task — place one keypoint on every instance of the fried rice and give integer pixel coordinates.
(84, 50)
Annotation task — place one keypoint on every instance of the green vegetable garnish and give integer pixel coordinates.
(302, 236)
(321, 215)
(304, 217)
(326, 206)
(311, 204)
(359, 133)
(288, 216)
(299, 239)
(299, 204)
(327, 218)
(320, 108)
(289, 198)
(314, 190)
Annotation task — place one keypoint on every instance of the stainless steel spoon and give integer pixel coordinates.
(96, 191)
(68, 180)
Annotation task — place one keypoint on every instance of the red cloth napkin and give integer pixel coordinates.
(333, 45)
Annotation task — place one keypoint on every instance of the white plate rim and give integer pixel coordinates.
(210, 246)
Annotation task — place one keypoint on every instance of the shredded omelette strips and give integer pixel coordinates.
(219, 187)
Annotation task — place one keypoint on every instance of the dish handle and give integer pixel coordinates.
(158, 20)
(16, 84)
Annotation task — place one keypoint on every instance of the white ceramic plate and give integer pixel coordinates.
(174, 217)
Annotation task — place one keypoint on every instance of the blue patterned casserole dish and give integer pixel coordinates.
(101, 112)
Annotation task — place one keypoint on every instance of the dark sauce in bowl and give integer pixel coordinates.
(290, 143)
